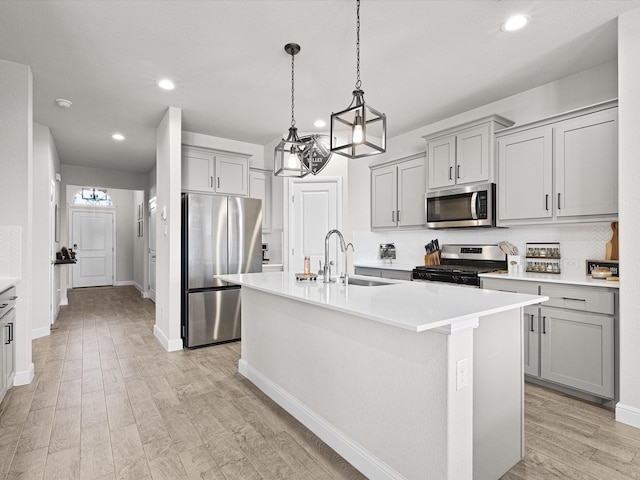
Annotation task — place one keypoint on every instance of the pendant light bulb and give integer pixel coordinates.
(358, 136)
(293, 160)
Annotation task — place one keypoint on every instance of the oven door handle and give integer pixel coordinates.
(474, 207)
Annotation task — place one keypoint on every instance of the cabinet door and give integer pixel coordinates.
(525, 162)
(586, 165)
(260, 188)
(472, 155)
(197, 170)
(4, 337)
(411, 183)
(384, 196)
(441, 158)
(231, 176)
(577, 350)
(531, 342)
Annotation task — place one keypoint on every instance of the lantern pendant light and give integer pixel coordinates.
(289, 153)
(359, 130)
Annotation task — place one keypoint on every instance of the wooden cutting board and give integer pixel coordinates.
(612, 245)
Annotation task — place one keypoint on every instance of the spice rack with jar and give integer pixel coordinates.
(543, 257)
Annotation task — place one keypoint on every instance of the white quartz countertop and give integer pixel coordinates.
(415, 306)
(6, 282)
(570, 279)
(405, 267)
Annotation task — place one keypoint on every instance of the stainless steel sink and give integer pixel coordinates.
(365, 282)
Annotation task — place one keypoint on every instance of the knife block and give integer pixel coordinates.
(432, 258)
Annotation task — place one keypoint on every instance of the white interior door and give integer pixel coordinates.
(314, 210)
(92, 239)
(152, 249)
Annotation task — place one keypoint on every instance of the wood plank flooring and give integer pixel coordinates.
(108, 402)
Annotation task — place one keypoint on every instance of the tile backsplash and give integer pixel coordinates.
(10, 252)
(578, 242)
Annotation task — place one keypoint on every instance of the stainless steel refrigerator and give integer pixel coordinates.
(220, 235)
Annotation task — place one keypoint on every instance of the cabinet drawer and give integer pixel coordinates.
(513, 286)
(575, 298)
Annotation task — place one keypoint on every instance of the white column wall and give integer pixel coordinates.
(168, 227)
(628, 409)
(16, 199)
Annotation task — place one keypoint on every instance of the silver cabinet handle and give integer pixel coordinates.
(393, 215)
(218, 183)
(546, 202)
(575, 299)
(532, 323)
(544, 325)
(398, 215)
(450, 173)
(558, 201)
(458, 171)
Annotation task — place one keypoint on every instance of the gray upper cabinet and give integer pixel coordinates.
(210, 171)
(260, 188)
(397, 194)
(560, 170)
(464, 154)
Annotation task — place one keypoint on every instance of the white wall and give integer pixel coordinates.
(168, 246)
(628, 410)
(46, 163)
(139, 242)
(16, 201)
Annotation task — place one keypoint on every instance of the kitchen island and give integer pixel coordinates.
(403, 380)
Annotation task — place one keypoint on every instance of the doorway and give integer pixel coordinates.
(315, 208)
(92, 236)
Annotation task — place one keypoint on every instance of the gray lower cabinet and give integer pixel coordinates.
(577, 350)
(7, 354)
(570, 339)
(383, 273)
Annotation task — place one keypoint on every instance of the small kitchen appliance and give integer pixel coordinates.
(472, 206)
(462, 264)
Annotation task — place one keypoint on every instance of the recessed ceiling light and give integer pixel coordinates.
(515, 22)
(166, 84)
(117, 136)
(63, 102)
(320, 123)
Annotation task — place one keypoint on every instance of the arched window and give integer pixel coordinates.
(92, 196)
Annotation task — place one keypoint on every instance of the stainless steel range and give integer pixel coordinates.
(461, 264)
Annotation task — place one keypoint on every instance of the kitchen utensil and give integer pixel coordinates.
(612, 245)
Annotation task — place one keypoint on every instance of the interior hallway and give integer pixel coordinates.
(108, 402)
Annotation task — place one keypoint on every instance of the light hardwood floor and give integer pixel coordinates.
(108, 402)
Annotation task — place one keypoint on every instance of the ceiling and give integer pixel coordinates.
(421, 61)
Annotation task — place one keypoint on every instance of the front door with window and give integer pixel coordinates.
(91, 234)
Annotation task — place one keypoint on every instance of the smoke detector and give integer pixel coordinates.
(62, 103)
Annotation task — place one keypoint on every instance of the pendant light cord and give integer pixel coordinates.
(358, 82)
(293, 120)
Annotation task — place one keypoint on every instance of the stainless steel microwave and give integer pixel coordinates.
(472, 206)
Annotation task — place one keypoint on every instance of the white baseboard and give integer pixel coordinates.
(40, 332)
(367, 463)
(64, 301)
(169, 345)
(24, 377)
(123, 283)
(628, 415)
